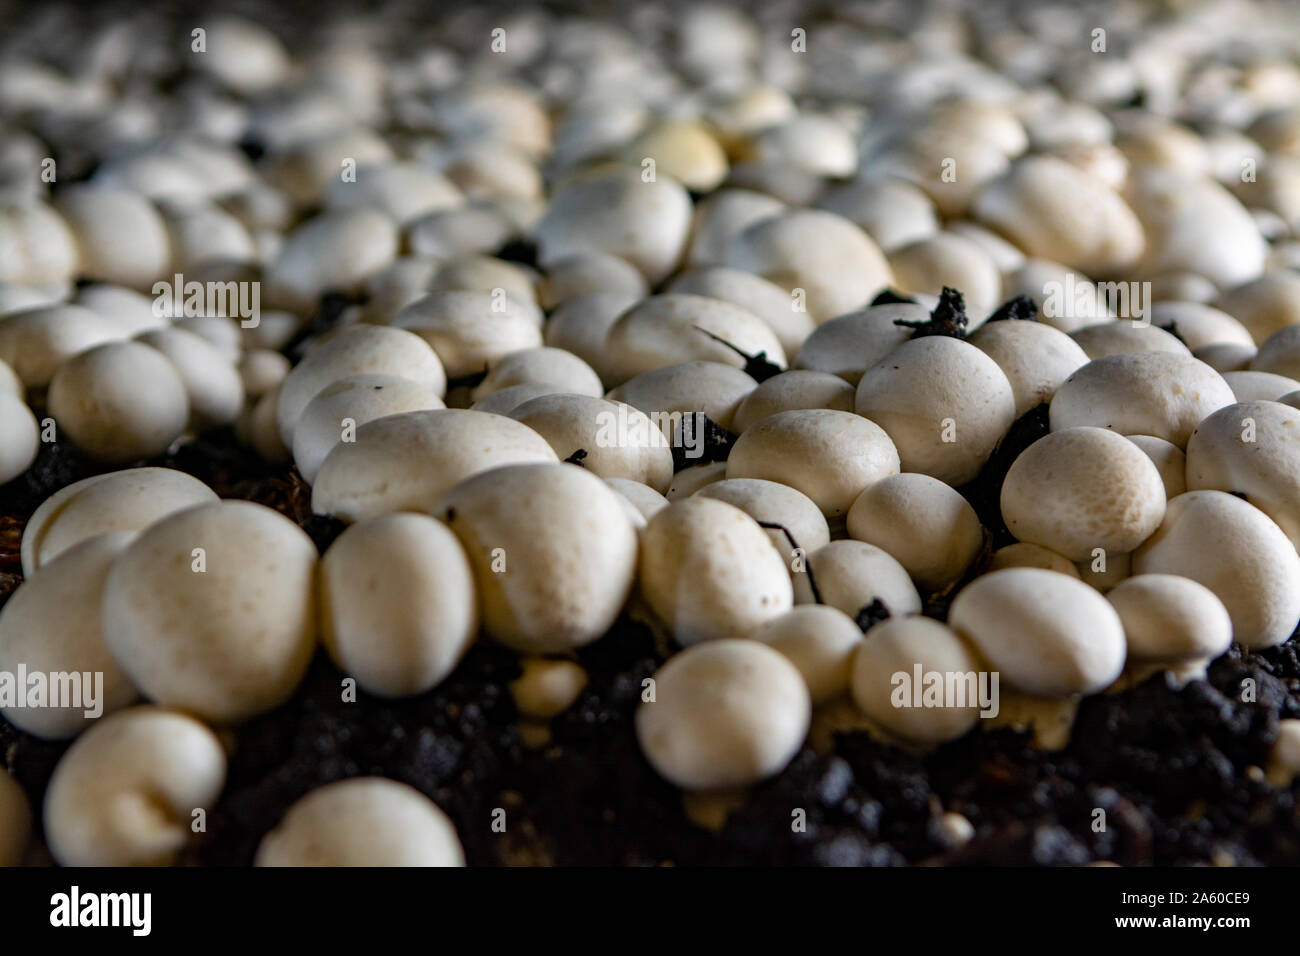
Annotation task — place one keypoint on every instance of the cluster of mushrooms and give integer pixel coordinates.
(699, 316)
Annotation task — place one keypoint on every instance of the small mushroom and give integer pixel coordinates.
(398, 608)
(212, 610)
(708, 571)
(364, 821)
(830, 456)
(1048, 634)
(1236, 551)
(944, 403)
(725, 714)
(120, 402)
(922, 523)
(1080, 489)
(820, 641)
(51, 625)
(884, 677)
(553, 552)
(125, 793)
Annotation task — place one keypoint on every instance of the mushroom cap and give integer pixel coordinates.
(1168, 459)
(124, 792)
(665, 330)
(553, 551)
(120, 236)
(709, 387)
(127, 500)
(837, 265)
(360, 399)
(1035, 204)
(212, 383)
(620, 441)
(850, 344)
(51, 625)
(644, 499)
(363, 821)
(830, 456)
(545, 364)
(225, 632)
(709, 571)
(1025, 555)
(334, 251)
(820, 641)
(1236, 551)
(1048, 634)
(775, 503)
(897, 647)
(1251, 449)
(1252, 386)
(1170, 618)
(1121, 336)
(1080, 489)
(774, 305)
(471, 330)
(120, 401)
(851, 574)
(398, 608)
(1141, 393)
(794, 390)
(34, 343)
(358, 350)
(943, 402)
(930, 529)
(726, 714)
(646, 223)
(20, 437)
(1035, 357)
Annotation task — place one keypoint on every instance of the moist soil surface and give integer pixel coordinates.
(1176, 770)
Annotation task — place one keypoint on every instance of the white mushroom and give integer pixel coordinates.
(553, 552)
(406, 462)
(125, 793)
(620, 441)
(1233, 549)
(828, 455)
(212, 384)
(120, 401)
(820, 641)
(360, 350)
(1035, 357)
(1170, 620)
(1080, 489)
(1141, 393)
(709, 571)
(35, 342)
(943, 402)
(1048, 634)
(365, 821)
(212, 610)
(794, 390)
(922, 523)
(127, 500)
(885, 681)
(725, 714)
(546, 365)
(850, 575)
(342, 407)
(471, 330)
(51, 626)
(398, 608)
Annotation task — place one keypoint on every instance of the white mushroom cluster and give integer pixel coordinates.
(934, 377)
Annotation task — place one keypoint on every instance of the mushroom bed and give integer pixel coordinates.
(679, 435)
